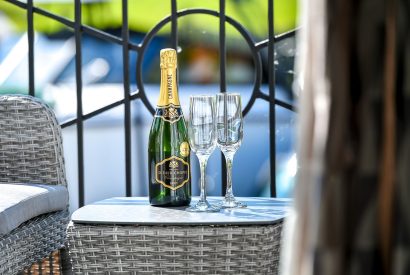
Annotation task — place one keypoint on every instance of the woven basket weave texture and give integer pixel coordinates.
(122, 249)
(32, 241)
(30, 139)
(31, 152)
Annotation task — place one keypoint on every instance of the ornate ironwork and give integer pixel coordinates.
(140, 49)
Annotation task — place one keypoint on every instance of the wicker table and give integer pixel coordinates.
(127, 236)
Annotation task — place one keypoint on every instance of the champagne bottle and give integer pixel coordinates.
(168, 149)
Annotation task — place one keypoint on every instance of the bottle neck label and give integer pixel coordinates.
(170, 113)
(168, 90)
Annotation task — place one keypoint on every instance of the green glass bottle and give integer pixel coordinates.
(168, 149)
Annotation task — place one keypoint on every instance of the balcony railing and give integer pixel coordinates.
(127, 46)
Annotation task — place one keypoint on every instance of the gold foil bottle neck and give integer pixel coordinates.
(168, 59)
(169, 87)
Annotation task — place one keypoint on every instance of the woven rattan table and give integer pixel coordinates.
(127, 236)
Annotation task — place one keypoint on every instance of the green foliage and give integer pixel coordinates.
(143, 15)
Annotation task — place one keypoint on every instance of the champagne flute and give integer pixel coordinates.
(229, 138)
(202, 138)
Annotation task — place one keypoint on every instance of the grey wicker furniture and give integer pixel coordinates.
(127, 236)
(31, 153)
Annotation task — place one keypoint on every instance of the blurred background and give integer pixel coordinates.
(102, 71)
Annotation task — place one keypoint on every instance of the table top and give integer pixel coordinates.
(137, 211)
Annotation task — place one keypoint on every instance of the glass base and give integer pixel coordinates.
(203, 206)
(231, 202)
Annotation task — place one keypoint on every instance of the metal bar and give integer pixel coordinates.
(55, 17)
(18, 3)
(246, 35)
(73, 121)
(174, 25)
(278, 38)
(30, 35)
(222, 76)
(272, 114)
(127, 45)
(277, 102)
(222, 46)
(79, 84)
(109, 37)
(127, 105)
(68, 23)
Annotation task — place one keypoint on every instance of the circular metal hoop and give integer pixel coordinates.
(243, 31)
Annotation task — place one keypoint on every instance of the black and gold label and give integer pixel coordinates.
(172, 172)
(169, 113)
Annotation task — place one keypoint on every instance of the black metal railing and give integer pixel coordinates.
(140, 49)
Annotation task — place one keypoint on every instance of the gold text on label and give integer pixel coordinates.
(172, 172)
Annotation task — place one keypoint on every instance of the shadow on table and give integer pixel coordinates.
(257, 207)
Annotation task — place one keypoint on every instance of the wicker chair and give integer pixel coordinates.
(31, 153)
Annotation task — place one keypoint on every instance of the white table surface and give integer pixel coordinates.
(137, 211)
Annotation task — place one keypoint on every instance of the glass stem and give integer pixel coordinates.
(202, 163)
(229, 161)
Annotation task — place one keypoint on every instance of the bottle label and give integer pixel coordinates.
(168, 93)
(172, 172)
(184, 149)
(170, 113)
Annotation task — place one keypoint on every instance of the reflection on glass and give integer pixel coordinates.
(202, 138)
(229, 138)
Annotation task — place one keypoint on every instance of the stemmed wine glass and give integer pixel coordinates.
(202, 138)
(229, 138)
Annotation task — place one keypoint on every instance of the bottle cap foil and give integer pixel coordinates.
(168, 58)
